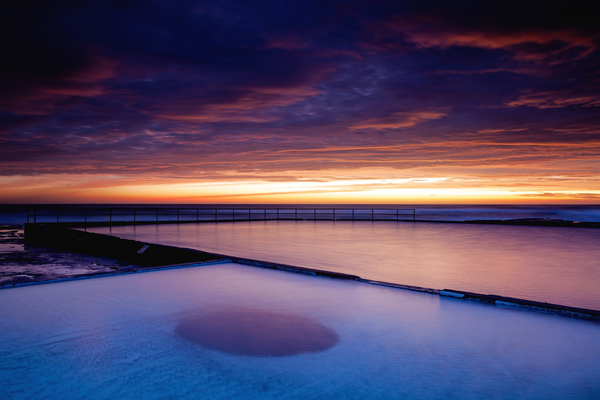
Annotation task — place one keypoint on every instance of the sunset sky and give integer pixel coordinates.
(299, 102)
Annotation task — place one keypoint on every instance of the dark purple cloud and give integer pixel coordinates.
(183, 87)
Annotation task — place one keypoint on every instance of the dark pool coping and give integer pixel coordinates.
(504, 301)
(145, 257)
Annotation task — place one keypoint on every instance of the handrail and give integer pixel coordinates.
(218, 214)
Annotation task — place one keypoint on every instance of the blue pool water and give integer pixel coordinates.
(115, 337)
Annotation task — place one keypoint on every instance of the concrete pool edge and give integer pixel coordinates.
(150, 254)
(116, 273)
(512, 302)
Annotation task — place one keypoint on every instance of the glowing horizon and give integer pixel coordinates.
(374, 191)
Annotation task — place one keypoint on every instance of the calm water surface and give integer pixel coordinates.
(119, 338)
(556, 265)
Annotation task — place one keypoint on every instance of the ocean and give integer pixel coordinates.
(17, 214)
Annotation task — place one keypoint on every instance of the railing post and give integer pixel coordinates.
(265, 214)
(396, 214)
(372, 212)
(134, 215)
(233, 213)
(197, 216)
(277, 214)
(353, 214)
(414, 214)
(249, 216)
(216, 214)
(178, 215)
(315, 214)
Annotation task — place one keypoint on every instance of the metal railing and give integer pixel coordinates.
(190, 214)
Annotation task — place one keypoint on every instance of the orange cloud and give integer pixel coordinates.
(555, 100)
(563, 195)
(430, 34)
(399, 120)
(494, 40)
(252, 106)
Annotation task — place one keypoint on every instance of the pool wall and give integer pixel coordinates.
(132, 251)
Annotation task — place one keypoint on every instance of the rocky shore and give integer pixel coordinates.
(22, 262)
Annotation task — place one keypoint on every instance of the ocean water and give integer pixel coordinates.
(117, 337)
(17, 214)
(586, 213)
(548, 264)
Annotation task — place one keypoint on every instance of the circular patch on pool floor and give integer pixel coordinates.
(254, 332)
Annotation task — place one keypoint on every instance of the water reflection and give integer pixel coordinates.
(255, 332)
(555, 265)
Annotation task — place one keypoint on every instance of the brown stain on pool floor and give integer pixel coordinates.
(255, 332)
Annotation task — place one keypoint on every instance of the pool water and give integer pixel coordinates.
(548, 264)
(117, 337)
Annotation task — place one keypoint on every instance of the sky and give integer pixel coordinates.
(375, 102)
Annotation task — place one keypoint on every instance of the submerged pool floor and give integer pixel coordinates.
(118, 337)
